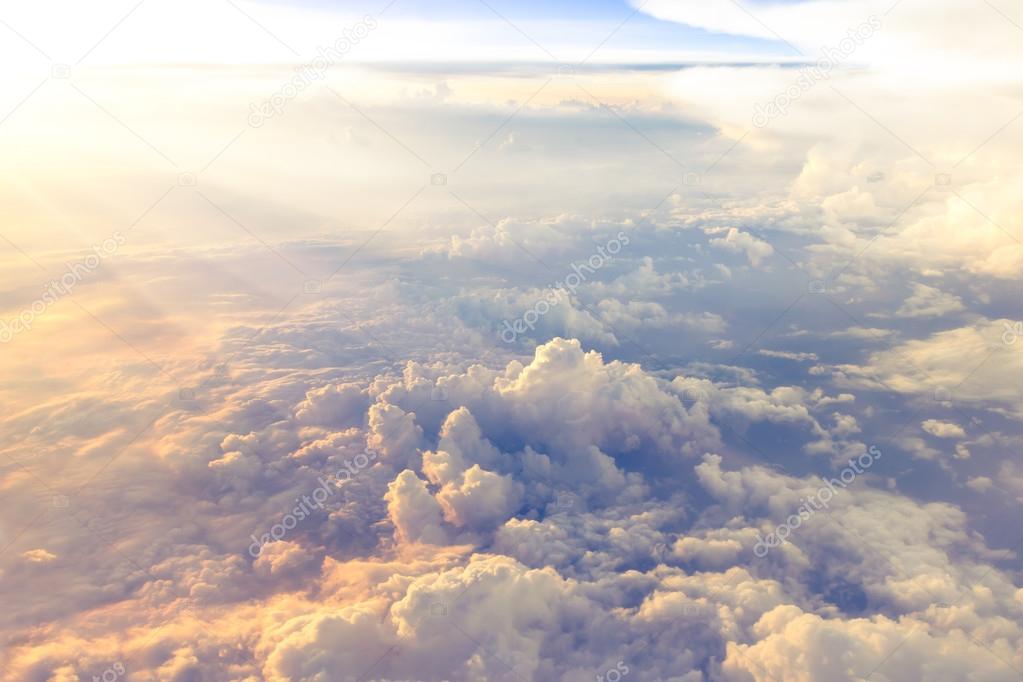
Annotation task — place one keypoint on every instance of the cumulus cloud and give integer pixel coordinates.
(415, 513)
(269, 473)
(737, 241)
(497, 541)
(943, 429)
(334, 405)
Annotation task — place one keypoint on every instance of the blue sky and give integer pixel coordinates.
(572, 22)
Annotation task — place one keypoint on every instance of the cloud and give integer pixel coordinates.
(942, 429)
(927, 301)
(487, 537)
(334, 404)
(415, 513)
(736, 240)
(595, 494)
(788, 355)
(635, 317)
(511, 241)
(849, 650)
(969, 364)
(38, 556)
(909, 38)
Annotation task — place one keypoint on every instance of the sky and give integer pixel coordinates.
(477, 340)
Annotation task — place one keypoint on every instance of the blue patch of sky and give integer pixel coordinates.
(568, 23)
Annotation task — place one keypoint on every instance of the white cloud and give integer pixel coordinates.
(736, 240)
(928, 301)
(788, 355)
(966, 364)
(415, 513)
(554, 511)
(942, 429)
